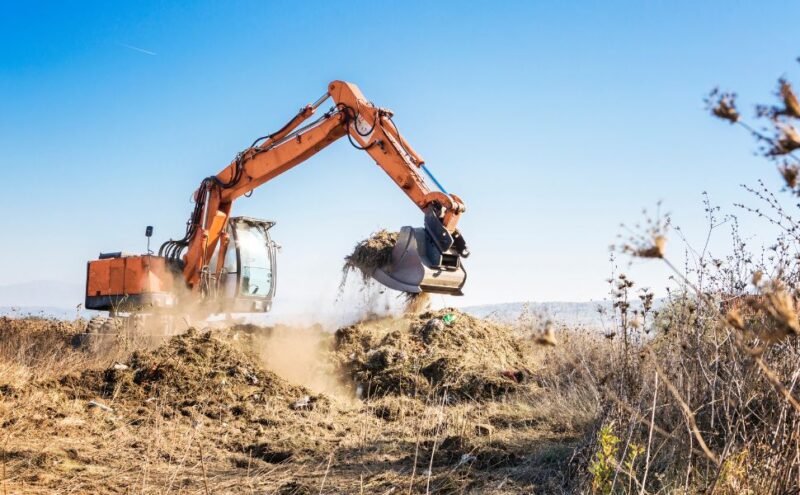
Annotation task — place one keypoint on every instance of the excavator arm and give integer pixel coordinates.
(427, 259)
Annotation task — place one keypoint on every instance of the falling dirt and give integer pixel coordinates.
(375, 252)
(417, 302)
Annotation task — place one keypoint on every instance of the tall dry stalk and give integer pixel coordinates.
(722, 415)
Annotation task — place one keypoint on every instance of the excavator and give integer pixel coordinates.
(227, 264)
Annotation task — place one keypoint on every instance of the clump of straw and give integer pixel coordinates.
(371, 253)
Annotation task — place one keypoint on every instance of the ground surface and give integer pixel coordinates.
(395, 406)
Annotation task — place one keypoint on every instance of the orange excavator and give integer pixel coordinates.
(226, 264)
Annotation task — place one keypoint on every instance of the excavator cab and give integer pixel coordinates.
(126, 283)
(248, 275)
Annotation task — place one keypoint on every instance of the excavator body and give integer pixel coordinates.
(225, 264)
(117, 281)
(126, 283)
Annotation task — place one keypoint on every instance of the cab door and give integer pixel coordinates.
(247, 281)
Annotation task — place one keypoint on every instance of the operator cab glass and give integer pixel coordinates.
(247, 280)
(253, 243)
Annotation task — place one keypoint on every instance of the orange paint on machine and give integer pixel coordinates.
(123, 280)
(228, 264)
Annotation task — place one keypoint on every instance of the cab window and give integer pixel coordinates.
(256, 274)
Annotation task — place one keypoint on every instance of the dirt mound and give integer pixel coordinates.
(15, 330)
(37, 348)
(438, 352)
(191, 374)
(200, 415)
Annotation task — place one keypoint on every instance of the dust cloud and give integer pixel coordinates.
(301, 355)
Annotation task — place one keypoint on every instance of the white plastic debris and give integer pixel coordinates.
(99, 405)
(302, 403)
(466, 459)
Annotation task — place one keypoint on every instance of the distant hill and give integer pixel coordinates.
(41, 298)
(42, 293)
(591, 314)
(584, 314)
(50, 298)
(43, 312)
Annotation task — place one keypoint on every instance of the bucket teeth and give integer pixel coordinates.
(414, 270)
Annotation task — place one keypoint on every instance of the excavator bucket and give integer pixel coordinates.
(420, 264)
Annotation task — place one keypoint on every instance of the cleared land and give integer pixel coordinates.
(439, 402)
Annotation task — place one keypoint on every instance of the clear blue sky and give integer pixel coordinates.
(554, 121)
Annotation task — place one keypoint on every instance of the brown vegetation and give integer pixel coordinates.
(702, 398)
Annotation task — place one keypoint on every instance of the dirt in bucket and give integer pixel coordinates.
(371, 253)
(375, 252)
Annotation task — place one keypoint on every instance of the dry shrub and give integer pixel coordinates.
(703, 416)
(37, 348)
(468, 358)
(582, 359)
(702, 400)
(703, 397)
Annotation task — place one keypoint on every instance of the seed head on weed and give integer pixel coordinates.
(723, 105)
(647, 240)
(790, 102)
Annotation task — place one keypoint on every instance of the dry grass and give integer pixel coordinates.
(711, 405)
(201, 415)
(702, 398)
(37, 348)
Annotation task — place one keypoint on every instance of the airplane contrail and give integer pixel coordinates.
(136, 48)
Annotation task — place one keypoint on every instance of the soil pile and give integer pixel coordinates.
(19, 330)
(200, 414)
(437, 352)
(192, 374)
